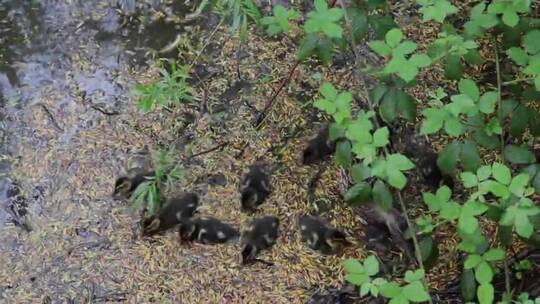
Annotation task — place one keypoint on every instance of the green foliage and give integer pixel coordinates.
(279, 22)
(170, 90)
(469, 102)
(509, 10)
(324, 20)
(528, 58)
(436, 10)
(361, 275)
(402, 60)
(148, 195)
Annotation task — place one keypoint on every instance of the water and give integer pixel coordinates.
(63, 64)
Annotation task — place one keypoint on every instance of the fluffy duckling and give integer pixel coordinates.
(255, 188)
(318, 148)
(126, 185)
(207, 231)
(320, 236)
(262, 235)
(176, 210)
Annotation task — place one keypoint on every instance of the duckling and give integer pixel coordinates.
(139, 169)
(255, 188)
(176, 210)
(318, 148)
(207, 231)
(126, 185)
(262, 235)
(320, 236)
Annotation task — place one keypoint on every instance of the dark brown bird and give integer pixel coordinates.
(255, 188)
(320, 236)
(175, 211)
(126, 185)
(207, 231)
(319, 148)
(262, 235)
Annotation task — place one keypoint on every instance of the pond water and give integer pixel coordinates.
(67, 63)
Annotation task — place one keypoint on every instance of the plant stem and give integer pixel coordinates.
(499, 97)
(517, 81)
(501, 122)
(363, 85)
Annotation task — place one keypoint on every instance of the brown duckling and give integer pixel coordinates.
(262, 235)
(318, 148)
(175, 210)
(207, 230)
(320, 236)
(255, 188)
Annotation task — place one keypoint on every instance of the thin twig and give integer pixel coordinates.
(363, 85)
(205, 44)
(217, 147)
(501, 122)
(262, 115)
(51, 117)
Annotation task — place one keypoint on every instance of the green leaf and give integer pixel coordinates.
(443, 194)
(353, 266)
(324, 20)
(494, 187)
(377, 93)
(328, 91)
(453, 126)
(468, 286)
(364, 289)
(450, 211)
(380, 47)
(510, 18)
(399, 162)
(532, 41)
(307, 47)
(483, 173)
(487, 102)
(469, 179)
(453, 69)
(420, 60)
(484, 273)
(358, 194)
(393, 37)
(472, 261)
(467, 223)
(501, 173)
(415, 292)
(390, 289)
(432, 201)
(382, 195)
(388, 107)
(434, 120)
(518, 184)
(449, 157)
(474, 208)
(468, 87)
(494, 254)
(406, 105)
(360, 172)
(518, 155)
(380, 137)
(404, 48)
(470, 157)
(371, 265)
(395, 178)
(357, 278)
(359, 23)
(485, 294)
(518, 55)
(343, 153)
